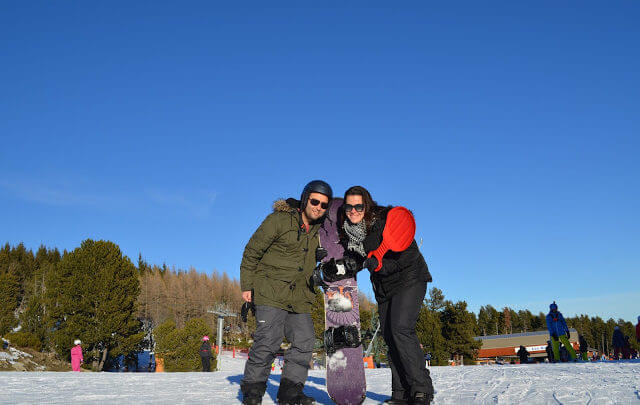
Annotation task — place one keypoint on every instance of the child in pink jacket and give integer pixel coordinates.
(76, 355)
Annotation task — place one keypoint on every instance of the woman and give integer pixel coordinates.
(399, 286)
(205, 354)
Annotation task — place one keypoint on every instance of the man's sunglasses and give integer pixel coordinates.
(357, 207)
(315, 203)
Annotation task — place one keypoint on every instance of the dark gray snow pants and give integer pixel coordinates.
(272, 325)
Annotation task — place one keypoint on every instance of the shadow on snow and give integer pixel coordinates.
(318, 395)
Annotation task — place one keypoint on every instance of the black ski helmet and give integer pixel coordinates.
(315, 186)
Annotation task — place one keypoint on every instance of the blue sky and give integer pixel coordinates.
(511, 130)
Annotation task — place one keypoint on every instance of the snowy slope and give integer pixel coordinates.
(595, 383)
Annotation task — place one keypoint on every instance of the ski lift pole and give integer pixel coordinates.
(368, 352)
(221, 314)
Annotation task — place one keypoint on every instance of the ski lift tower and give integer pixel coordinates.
(222, 311)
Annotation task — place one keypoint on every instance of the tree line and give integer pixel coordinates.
(114, 306)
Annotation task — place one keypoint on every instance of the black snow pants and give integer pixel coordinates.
(272, 325)
(206, 363)
(398, 317)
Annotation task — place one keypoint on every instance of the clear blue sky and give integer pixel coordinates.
(511, 130)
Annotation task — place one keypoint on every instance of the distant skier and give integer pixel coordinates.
(205, 354)
(523, 354)
(626, 349)
(549, 351)
(617, 343)
(559, 331)
(638, 331)
(278, 264)
(564, 354)
(427, 358)
(584, 348)
(76, 355)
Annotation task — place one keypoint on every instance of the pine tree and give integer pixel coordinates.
(429, 332)
(436, 299)
(317, 315)
(458, 330)
(179, 347)
(92, 296)
(9, 300)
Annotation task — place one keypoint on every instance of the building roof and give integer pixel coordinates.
(508, 345)
(517, 335)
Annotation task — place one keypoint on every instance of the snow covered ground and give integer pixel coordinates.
(582, 383)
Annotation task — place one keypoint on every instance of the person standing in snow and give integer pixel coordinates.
(205, 354)
(617, 343)
(427, 358)
(626, 349)
(559, 331)
(277, 264)
(523, 354)
(584, 348)
(638, 331)
(549, 351)
(399, 288)
(76, 355)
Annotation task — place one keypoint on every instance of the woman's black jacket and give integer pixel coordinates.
(399, 269)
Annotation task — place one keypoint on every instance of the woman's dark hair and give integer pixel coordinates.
(369, 205)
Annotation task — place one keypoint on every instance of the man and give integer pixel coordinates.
(523, 354)
(559, 332)
(549, 351)
(584, 348)
(275, 275)
(638, 331)
(618, 342)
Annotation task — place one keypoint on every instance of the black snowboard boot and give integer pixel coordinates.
(290, 393)
(422, 398)
(252, 393)
(396, 401)
(398, 398)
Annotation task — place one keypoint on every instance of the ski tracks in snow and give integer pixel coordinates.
(567, 384)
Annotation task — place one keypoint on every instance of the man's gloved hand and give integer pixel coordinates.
(331, 271)
(555, 336)
(317, 279)
(568, 335)
(246, 307)
(371, 263)
(321, 253)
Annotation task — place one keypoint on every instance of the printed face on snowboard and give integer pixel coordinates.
(353, 215)
(315, 212)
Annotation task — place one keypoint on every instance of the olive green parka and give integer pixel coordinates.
(279, 259)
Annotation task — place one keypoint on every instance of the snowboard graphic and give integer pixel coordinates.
(346, 383)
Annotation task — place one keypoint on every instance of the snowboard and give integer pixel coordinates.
(346, 383)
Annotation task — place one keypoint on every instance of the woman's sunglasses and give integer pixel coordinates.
(357, 207)
(315, 203)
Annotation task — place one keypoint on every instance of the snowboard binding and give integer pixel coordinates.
(336, 338)
(336, 270)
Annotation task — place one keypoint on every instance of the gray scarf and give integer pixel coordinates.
(356, 234)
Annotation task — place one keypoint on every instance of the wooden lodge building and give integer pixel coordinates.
(504, 347)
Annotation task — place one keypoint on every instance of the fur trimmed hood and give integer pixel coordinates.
(290, 205)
